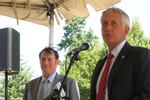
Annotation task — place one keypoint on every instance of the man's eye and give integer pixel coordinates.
(43, 59)
(104, 24)
(49, 59)
(113, 24)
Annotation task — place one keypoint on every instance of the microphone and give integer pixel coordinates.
(56, 92)
(83, 47)
(53, 95)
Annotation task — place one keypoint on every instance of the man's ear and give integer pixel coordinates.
(58, 62)
(126, 31)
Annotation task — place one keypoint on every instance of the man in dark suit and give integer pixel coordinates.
(129, 74)
(50, 81)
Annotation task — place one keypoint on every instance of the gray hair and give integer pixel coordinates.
(125, 17)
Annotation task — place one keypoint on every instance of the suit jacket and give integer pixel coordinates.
(129, 78)
(71, 88)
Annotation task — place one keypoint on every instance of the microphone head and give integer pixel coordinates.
(85, 46)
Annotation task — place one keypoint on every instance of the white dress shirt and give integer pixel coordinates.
(115, 53)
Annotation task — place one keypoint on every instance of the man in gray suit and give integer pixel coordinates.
(50, 81)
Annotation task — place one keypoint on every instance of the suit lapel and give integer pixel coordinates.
(119, 62)
(57, 79)
(35, 88)
(95, 76)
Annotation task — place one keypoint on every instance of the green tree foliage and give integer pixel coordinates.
(74, 35)
(136, 36)
(73, 32)
(16, 83)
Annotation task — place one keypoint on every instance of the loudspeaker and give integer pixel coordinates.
(9, 50)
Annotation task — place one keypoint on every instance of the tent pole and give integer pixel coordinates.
(50, 15)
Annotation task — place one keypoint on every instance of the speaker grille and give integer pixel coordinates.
(9, 50)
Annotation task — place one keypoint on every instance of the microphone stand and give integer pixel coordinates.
(55, 95)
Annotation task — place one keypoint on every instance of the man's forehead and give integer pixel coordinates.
(48, 53)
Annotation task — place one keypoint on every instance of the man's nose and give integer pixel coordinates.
(46, 62)
(108, 27)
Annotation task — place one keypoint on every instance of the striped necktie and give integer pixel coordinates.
(41, 93)
(45, 89)
(104, 78)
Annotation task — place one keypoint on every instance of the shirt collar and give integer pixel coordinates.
(50, 78)
(116, 50)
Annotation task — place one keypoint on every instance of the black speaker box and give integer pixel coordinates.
(9, 50)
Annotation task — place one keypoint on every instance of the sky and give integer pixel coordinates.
(34, 37)
(135, 9)
(138, 9)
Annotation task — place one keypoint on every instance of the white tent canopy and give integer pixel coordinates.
(43, 11)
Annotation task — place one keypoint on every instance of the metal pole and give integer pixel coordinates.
(6, 85)
(50, 15)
